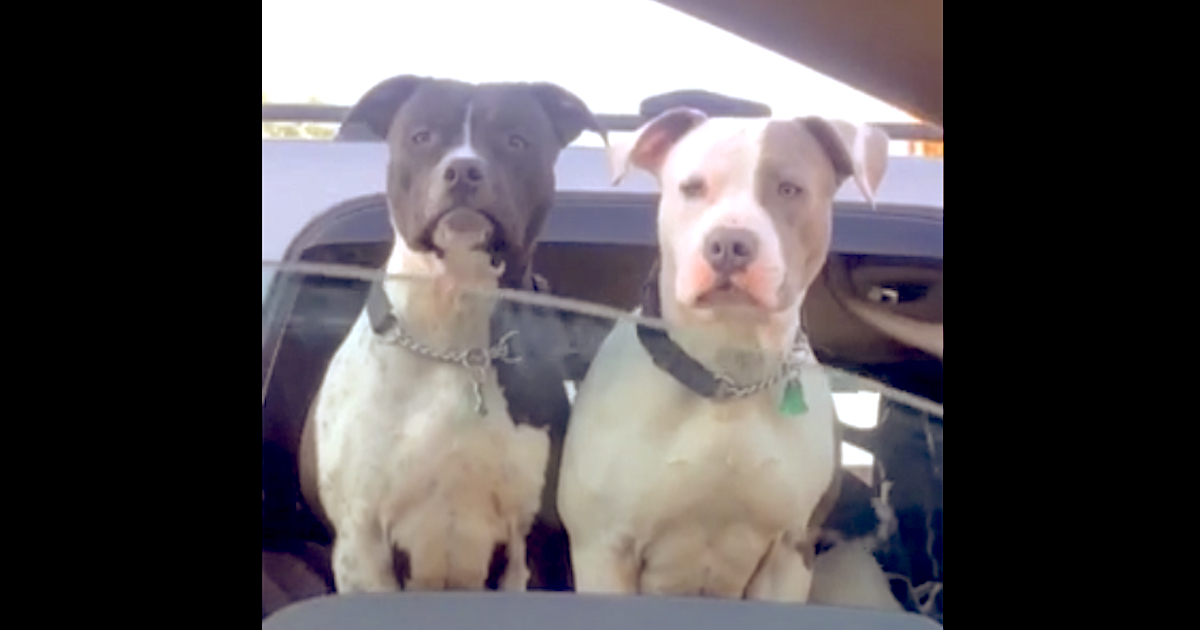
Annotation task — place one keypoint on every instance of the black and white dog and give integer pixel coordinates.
(432, 447)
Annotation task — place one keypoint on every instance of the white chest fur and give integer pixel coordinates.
(695, 493)
(405, 461)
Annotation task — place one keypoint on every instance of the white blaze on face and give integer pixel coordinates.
(724, 154)
(466, 265)
(463, 150)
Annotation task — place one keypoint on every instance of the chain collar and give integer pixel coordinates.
(474, 360)
(788, 371)
(672, 359)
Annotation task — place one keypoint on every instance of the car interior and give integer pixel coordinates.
(309, 315)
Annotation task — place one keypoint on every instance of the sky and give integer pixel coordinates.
(611, 53)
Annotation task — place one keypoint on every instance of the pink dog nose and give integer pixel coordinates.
(730, 250)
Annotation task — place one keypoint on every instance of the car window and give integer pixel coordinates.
(330, 301)
(881, 544)
(267, 276)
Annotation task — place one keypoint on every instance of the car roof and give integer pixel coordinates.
(891, 50)
(303, 180)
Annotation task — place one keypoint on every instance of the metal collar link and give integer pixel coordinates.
(790, 370)
(475, 360)
(472, 359)
(727, 389)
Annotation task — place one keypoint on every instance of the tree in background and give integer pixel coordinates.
(297, 131)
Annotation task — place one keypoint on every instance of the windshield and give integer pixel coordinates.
(579, 363)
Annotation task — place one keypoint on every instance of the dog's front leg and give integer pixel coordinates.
(362, 563)
(516, 573)
(785, 574)
(605, 569)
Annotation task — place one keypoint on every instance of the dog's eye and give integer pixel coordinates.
(692, 188)
(421, 137)
(517, 142)
(789, 190)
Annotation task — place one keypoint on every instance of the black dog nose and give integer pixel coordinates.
(730, 250)
(465, 170)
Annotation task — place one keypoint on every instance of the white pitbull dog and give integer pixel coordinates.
(704, 461)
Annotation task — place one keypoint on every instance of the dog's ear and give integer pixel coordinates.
(371, 117)
(648, 146)
(568, 113)
(859, 152)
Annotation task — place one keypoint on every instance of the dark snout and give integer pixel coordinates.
(465, 210)
(464, 178)
(467, 183)
(471, 187)
(463, 229)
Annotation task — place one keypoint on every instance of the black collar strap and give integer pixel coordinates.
(668, 356)
(379, 309)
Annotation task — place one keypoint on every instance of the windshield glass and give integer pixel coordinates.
(412, 491)
(552, 343)
(267, 275)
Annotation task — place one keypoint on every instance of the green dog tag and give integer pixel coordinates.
(793, 399)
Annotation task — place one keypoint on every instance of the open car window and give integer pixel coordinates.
(892, 446)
